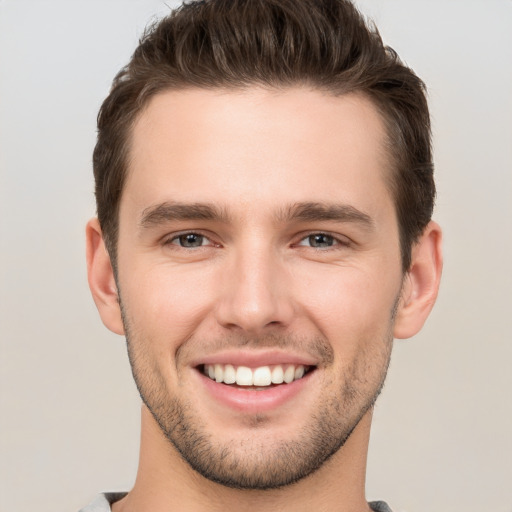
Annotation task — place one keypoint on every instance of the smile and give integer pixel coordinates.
(261, 377)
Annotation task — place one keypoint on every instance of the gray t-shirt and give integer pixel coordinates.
(103, 501)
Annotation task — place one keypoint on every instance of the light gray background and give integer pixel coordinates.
(442, 438)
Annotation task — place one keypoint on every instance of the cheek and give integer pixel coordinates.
(354, 314)
(349, 289)
(166, 301)
(350, 304)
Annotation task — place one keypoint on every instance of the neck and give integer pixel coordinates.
(165, 482)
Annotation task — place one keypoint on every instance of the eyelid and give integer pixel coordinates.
(169, 238)
(340, 240)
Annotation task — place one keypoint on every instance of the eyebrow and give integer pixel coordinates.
(314, 211)
(169, 211)
(302, 212)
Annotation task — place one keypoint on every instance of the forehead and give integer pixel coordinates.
(263, 145)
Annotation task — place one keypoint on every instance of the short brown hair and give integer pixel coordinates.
(324, 44)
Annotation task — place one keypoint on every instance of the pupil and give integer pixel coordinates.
(320, 240)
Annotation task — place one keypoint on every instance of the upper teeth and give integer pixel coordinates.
(261, 376)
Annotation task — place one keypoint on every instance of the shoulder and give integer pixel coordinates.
(379, 506)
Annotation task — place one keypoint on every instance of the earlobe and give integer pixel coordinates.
(101, 278)
(421, 283)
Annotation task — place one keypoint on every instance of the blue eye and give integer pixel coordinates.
(189, 240)
(319, 241)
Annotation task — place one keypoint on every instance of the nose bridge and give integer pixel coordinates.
(254, 294)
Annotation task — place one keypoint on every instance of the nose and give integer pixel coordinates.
(254, 293)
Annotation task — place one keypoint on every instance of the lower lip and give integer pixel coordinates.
(251, 400)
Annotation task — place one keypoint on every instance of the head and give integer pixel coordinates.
(236, 44)
(264, 189)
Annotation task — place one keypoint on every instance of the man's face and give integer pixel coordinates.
(258, 242)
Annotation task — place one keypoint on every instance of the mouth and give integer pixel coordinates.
(257, 383)
(259, 378)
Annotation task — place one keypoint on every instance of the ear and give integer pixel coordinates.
(421, 283)
(101, 278)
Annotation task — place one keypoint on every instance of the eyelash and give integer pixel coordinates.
(336, 240)
(176, 237)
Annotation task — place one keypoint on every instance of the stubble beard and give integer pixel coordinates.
(252, 463)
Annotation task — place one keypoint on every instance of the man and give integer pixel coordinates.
(264, 190)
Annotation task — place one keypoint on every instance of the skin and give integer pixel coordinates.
(260, 285)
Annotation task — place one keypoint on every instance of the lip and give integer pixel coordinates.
(251, 401)
(255, 359)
